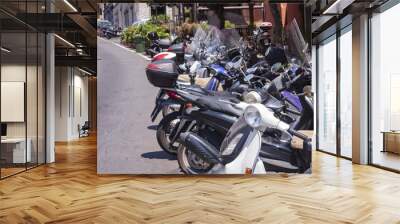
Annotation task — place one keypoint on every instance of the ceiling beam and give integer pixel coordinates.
(86, 27)
(77, 61)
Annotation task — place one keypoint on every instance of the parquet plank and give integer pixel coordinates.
(70, 191)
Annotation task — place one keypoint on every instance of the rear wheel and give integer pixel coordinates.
(190, 163)
(164, 129)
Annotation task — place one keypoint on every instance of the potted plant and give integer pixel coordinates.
(140, 43)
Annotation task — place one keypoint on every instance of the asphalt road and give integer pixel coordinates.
(126, 137)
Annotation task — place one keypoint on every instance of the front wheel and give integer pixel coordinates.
(164, 129)
(190, 163)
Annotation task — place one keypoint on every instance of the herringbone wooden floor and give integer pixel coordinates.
(70, 191)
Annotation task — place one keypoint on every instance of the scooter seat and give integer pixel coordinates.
(297, 143)
(193, 92)
(221, 104)
(197, 89)
(164, 43)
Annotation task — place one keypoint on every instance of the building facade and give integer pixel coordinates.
(125, 14)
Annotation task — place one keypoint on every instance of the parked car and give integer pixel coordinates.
(103, 23)
(107, 30)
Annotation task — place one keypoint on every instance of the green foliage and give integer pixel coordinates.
(229, 25)
(139, 32)
(128, 34)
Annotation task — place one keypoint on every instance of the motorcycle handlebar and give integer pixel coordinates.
(293, 111)
(299, 135)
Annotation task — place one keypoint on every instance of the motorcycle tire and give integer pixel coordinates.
(190, 163)
(163, 130)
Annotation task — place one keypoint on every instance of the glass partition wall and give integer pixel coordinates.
(385, 90)
(334, 94)
(327, 96)
(345, 92)
(22, 88)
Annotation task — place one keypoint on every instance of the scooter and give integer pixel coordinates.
(240, 149)
(212, 123)
(159, 45)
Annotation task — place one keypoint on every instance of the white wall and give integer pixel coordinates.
(17, 73)
(14, 72)
(80, 112)
(71, 91)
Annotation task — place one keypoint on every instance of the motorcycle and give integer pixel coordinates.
(198, 70)
(213, 120)
(164, 74)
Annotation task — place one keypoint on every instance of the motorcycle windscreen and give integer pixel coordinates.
(296, 49)
(211, 38)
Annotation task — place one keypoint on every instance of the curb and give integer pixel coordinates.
(128, 49)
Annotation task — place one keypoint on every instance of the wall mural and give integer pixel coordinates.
(203, 89)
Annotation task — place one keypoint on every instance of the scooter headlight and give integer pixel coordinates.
(253, 116)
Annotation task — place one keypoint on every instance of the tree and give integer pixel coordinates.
(277, 35)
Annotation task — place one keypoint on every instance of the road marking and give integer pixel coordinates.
(128, 49)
